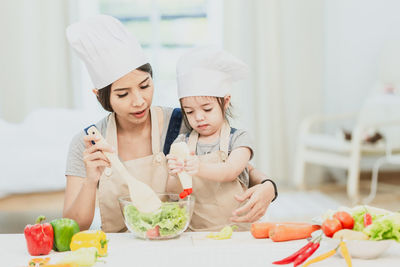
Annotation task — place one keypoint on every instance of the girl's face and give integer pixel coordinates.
(204, 113)
(131, 96)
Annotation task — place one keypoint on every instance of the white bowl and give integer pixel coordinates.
(362, 249)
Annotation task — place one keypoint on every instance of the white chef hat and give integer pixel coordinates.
(107, 48)
(208, 71)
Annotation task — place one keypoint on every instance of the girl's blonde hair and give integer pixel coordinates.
(221, 103)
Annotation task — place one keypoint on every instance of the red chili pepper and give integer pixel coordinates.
(292, 257)
(367, 219)
(39, 237)
(306, 254)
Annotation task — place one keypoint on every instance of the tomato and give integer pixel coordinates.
(367, 219)
(331, 226)
(345, 219)
(154, 232)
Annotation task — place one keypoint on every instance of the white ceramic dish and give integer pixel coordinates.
(362, 249)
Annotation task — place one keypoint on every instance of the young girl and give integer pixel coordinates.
(222, 153)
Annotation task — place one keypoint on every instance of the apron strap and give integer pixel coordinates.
(192, 141)
(223, 142)
(155, 132)
(224, 138)
(174, 127)
(111, 132)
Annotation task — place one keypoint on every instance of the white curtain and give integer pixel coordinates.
(34, 56)
(282, 41)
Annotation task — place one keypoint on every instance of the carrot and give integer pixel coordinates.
(282, 232)
(261, 229)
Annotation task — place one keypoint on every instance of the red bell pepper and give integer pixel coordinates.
(39, 237)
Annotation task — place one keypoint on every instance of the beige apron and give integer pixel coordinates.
(215, 201)
(151, 170)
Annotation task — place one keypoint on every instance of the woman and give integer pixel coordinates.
(139, 133)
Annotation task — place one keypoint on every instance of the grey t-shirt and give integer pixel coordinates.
(75, 164)
(239, 138)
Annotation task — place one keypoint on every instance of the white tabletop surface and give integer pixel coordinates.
(192, 249)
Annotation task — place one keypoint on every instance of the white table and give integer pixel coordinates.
(192, 249)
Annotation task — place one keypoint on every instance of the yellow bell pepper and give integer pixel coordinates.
(90, 238)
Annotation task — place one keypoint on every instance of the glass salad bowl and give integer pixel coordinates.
(169, 221)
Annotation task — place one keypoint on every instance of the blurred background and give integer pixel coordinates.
(322, 102)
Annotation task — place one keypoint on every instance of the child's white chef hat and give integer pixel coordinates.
(107, 48)
(208, 71)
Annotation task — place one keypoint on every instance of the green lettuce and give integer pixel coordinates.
(385, 227)
(171, 219)
(358, 216)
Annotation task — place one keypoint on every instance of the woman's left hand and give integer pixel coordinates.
(260, 196)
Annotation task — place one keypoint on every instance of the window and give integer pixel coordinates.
(166, 29)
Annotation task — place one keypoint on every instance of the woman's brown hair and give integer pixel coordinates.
(103, 95)
(221, 103)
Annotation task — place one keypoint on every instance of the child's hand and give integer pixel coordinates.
(192, 164)
(174, 165)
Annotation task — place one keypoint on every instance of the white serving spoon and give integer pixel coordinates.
(142, 196)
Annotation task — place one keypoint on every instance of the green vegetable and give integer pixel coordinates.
(81, 257)
(64, 229)
(358, 216)
(170, 218)
(384, 227)
(225, 233)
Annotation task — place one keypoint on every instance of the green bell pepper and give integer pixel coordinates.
(64, 229)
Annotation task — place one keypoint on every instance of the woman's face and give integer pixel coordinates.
(131, 96)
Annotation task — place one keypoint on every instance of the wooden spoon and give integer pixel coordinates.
(142, 196)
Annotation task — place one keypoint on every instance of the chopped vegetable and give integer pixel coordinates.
(170, 219)
(225, 233)
(358, 216)
(90, 238)
(367, 219)
(38, 261)
(345, 253)
(62, 265)
(385, 227)
(81, 257)
(282, 232)
(39, 237)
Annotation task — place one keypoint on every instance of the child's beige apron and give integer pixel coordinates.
(151, 170)
(214, 200)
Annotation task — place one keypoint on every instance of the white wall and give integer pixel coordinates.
(33, 57)
(356, 32)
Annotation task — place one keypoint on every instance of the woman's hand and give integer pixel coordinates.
(94, 158)
(260, 196)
